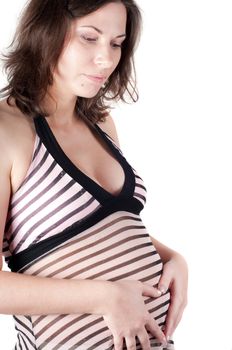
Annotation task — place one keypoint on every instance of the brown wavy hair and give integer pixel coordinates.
(37, 45)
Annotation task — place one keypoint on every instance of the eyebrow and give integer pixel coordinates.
(100, 32)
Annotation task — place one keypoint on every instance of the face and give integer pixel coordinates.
(92, 52)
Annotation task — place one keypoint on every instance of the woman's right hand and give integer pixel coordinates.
(127, 317)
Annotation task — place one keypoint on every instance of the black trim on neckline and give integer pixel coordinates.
(103, 196)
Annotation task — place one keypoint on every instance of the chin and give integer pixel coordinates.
(89, 94)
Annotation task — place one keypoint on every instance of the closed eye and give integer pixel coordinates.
(93, 40)
(117, 45)
(89, 39)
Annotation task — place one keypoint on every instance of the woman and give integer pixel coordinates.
(85, 272)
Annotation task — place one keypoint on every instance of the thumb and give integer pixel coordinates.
(149, 291)
(165, 281)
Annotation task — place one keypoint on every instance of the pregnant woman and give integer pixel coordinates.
(85, 273)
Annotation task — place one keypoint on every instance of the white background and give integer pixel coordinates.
(178, 137)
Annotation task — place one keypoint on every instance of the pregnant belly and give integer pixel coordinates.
(116, 248)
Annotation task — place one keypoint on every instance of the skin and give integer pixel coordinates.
(86, 52)
(175, 278)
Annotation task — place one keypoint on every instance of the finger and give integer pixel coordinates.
(171, 327)
(118, 343)
(175, 312)
(130, 343)
(150, 291)
(154, 329)
(144, 339)
(165, 280)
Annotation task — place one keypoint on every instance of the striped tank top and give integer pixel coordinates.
(62, 224)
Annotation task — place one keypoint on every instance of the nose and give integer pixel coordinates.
(103, 58)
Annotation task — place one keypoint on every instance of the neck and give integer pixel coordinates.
(60, 108)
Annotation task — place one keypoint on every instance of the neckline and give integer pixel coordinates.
(100, 193)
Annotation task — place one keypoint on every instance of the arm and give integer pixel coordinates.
(29, 295)
(165, 252)
(174, 277)
(32, 295)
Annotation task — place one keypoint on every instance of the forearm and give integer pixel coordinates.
(32, 295)
(165, 252)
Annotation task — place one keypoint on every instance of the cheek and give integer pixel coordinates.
(68, 62)
(117, 59)
(71, 61)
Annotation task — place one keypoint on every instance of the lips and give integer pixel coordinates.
(96, 78)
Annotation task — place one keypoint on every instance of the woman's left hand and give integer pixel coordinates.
(175, 278)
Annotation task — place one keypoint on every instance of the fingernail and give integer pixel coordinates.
(168, 337)
(159, 292)
(162, 289)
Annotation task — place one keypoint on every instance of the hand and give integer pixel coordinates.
(127, 316)
(175, 278)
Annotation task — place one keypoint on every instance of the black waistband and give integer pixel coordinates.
(22, 259)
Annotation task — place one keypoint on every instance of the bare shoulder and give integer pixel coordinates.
(13, 126)
(16, 139)
(11, 115)
(110, 128)
(6, 134)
